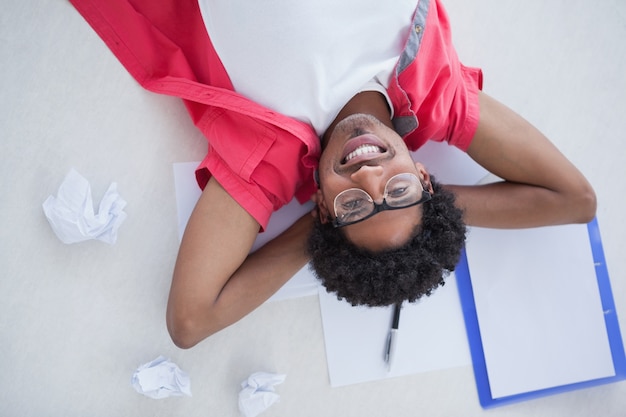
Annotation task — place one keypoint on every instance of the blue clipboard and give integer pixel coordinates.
(468, 306)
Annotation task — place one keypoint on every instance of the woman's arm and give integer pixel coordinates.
(541, 187)
(216, 282)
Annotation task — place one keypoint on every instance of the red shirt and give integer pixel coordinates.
(262, 158)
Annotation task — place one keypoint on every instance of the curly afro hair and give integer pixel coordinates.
(394, 275)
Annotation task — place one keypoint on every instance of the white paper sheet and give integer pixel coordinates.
(431, 336)
(538, 308)
(303, 282)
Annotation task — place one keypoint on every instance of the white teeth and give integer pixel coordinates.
(362, 150)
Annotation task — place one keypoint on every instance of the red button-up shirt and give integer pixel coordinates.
(262, 158)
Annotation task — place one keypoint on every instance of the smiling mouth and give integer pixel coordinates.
(363, 150)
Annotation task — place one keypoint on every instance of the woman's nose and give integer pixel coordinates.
(369, 178)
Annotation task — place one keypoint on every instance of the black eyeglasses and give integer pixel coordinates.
(401, 191)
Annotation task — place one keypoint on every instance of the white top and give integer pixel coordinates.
(307, 59)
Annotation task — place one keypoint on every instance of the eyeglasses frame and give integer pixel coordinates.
(337, 223)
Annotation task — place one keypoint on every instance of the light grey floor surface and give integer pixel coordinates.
(75, 321)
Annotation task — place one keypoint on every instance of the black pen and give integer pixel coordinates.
(393, 335)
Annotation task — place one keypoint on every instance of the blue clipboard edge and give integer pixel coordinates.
(468, 307)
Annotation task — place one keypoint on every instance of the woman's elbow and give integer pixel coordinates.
(182, 332)
(187, 330)
(585, 204)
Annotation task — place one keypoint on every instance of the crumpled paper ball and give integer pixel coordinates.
(161, 378)
(71, 213)
(258, 392)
